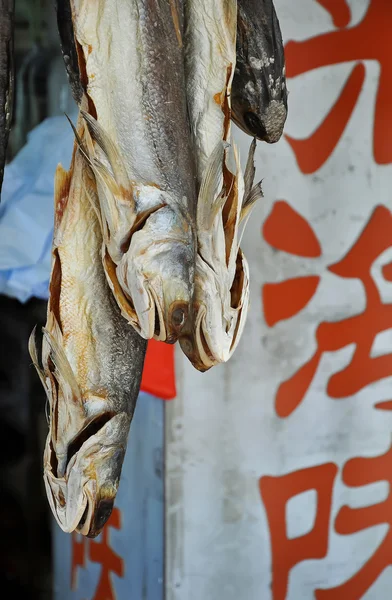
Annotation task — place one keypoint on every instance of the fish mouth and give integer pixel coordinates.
(83, 498)
(95, 516)
(195, 346)
(177, 318)
(102, 513)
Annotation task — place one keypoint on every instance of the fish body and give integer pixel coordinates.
(140, 151)
(210, 56)
(221, 295)
(91, 364)
(6, 76)
(259, 92)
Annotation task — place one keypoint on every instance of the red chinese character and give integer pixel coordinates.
(359, 330)
(339, 11)
(369, 40)
(78, 557)
(287, 230)
(286, 553)
(99, 552)
(358, 472)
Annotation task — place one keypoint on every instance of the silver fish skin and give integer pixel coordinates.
(6, 76)
(225, 196)
(259, 91)
(91, 364)
(141, 154)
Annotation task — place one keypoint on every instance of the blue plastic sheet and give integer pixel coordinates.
(27, 210)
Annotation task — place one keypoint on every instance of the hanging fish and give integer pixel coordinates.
(225, 200)
(91, 364)
(259, 92)
(140, 152)
(6, 76)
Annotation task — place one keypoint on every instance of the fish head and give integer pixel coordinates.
(82, 498)
(259, 92)
(157, 275)
(219, 316)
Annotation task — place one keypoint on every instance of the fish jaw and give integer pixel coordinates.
(221, 296)
(83, 498)
(219, 315)
(157, 274)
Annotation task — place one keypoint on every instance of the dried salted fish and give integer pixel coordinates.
(91, 364)
(141, 155)
(225, 200)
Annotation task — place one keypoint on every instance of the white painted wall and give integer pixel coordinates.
(223, 433)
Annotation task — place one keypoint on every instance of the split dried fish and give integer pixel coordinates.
(141, 155)
(225, 200)
(6, 76)
(259, 92)
(91, 364)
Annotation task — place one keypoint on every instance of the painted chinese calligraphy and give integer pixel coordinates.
(346, 44)
(360, 329)
(99, 551)
(286, 553)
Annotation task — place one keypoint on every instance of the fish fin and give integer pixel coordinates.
(117, 205)
(106, 177)
(109, 149)
(64, 374)
(232, 209)
(255, 194)
(98, 168)
(211, 195)
(124, 303)
(62, 184)
(33, 351)
(79, 141)
(250, 169)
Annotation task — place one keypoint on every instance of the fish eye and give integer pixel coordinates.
(178, 317)
(254, 125)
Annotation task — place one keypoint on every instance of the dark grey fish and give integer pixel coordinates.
(6, 76)
(259, 93)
